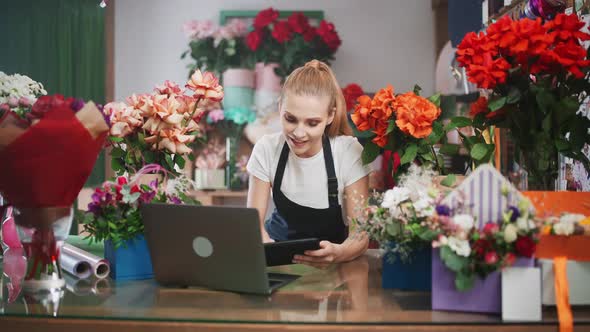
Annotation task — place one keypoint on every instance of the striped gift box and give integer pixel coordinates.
(481, 194)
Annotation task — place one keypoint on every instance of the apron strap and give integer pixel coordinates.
(332, 180)
(281, 167)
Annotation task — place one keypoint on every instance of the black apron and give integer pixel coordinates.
(291, 221)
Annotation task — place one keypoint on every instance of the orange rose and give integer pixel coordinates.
(362, 113)
(381, 132)
(415, 114)
(382, 103)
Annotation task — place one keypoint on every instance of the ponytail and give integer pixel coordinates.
(316, 78)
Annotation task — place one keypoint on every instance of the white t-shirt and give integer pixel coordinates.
(305, 180)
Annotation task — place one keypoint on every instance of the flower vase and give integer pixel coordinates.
(413, 275)
(42, 232)
(538, 170)
(9, 236)
(232, 147)
(130, 261)
(238, 86)
(266, 77)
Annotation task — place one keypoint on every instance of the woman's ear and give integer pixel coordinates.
(331, 115)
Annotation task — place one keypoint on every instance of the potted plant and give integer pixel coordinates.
(114, 217)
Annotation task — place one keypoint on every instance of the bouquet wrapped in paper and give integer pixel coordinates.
(48, 155)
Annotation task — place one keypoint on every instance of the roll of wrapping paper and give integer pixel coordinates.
(98, 267)
(85, 287)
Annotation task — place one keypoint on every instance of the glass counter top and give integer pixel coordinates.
(347, 293)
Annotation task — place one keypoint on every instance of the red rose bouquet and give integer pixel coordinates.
(291, 42)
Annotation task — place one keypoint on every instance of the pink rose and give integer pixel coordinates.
(13, 101)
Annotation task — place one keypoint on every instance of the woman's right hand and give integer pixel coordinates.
(266, 238)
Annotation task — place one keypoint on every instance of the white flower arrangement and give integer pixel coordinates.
(14, 87)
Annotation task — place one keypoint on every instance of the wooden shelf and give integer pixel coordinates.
(220, 196)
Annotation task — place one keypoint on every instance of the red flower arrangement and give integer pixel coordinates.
(291, 42)
(538, 76)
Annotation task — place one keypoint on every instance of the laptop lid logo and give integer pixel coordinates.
(202, 246)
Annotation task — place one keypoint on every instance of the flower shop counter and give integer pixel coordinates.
(345, 297)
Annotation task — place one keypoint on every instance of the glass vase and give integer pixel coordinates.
(537, 170)
(232, 181)
(42, 232)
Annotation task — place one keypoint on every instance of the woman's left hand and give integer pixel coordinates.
(322, 258)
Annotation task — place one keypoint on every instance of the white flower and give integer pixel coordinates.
(424, 206)
(392, 198)
(510, 233)
(464, 221)
(525, 224)
(460, 247)
(564, 228)
(571, 218)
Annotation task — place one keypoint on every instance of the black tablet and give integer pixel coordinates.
(281, 253)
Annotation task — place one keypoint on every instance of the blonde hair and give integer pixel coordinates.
(316, 79)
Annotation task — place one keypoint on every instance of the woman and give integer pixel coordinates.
(312, 167)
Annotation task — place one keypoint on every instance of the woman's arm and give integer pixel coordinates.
(354, 198)
(356, 244)
(258, 194)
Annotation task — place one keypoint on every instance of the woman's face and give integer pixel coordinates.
(304, 119)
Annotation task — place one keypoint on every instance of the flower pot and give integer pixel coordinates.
(414, 275)
(238, 77)
(266, 79)
(485, 296)
(210, 178)
(238, 97)
(131, 261)
(266, 102)
(521, 294)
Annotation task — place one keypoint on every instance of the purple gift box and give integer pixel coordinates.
(485, 296)
(481, 192)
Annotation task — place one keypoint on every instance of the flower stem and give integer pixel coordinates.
(436, 164)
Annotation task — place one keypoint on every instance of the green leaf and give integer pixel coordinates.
(547, 123)
(409, 154)
(169, 160)
(437, 133)
(464, 282)
(496, 104)
(562, 145)
(179, 160)
(545, 100)
(394, 229)
(435, 99)
(390, 127)
(117, 152)
(112, 225)
(370, 152)
(513, 96)
(428, 235)
(116, 139)
(116, 165)
(450, 149)
(453, 261)
(449, 180)
(191, 156)
(149, 156)
(458, 122)
(417, 89)
(479, 151)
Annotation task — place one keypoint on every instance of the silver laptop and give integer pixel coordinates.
(215, 247)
